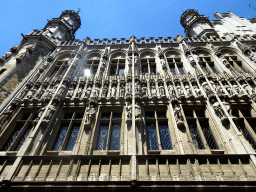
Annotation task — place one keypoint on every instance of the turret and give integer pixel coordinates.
(196, 25)
(62, 28)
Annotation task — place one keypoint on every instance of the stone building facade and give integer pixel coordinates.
(121, 114)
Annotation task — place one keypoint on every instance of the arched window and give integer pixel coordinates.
(148, 63)
(117, 64)
(174, 62)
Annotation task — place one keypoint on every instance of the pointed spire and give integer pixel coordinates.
(133, 39)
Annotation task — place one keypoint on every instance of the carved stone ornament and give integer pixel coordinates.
(219, 112)
(137, 113)
(178, 116)
(48, 115)
(89, 117)
(129, 114)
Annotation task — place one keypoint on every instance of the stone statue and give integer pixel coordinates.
(105, 91)
(188, 90)
(153, 91)
(144, 91)
(30, 94)
(95, 92)
(237, 89)
(229, 89)
(90, 113)
(178, 116)
(48, 115)
(217, 108)
(130, 60)
(129, 112)
(171, 89)
(197, 90)
(162, 62)
(207, 89)
(137, 113)
(161, 90)
(88, 91)
(220, 91)
(6, 55)
(113, 91)
(137, 87)
(121, 91)
(136, 60)
(129, 88)
(79, 92)
(179, 90)
(248, 89)
(70, 92)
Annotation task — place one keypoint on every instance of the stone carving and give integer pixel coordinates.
(129, 113)
(95, 92)
(162, 62)
(47, 95)
(248, 89)
(171, 89)
(30, 94)
(224, 61)
(161, 90)
(137, 113)
(180, 91)
(219, 111)
(50, 110)
(153, 91)
(104, 91)
(136, 60)
(122, 91)
(144, 92)
(207, 89)
(113, 92)
(79, 92)
(252, 56)
(88, 91)
(90, 114)
(129, 60)
(188, 89)
(129, 88)
(178, 116)
(5, 56)
(137, 88)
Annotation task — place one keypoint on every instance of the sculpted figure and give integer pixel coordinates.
(178, 116)
(197, 90)
(31, 93)
(207, 88)
(122, 90)
(153, 91)
(144, 91)
(7, 55)
(171, 89)
(70, 92)
(137, 87)
(79, 92)
(188, 90)
(228, 88)
(113, 91)
(137, 113)
(179, 89)
(220, 91)
(129, 88)
(161, 90)
(162, 62)
(95, 92)
(88, 91)
(105, 91)
(248, 88)
(129, 112)
(90, 113)
(237, 89)
(136, 60)
(130, 60)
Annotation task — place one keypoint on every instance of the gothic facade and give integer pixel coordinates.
(120, 114)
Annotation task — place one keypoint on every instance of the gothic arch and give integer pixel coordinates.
(150, 51)
(117, 52)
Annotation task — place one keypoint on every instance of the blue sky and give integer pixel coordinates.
(110, 18)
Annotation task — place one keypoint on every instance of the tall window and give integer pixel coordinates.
(158, 135)
(92, 65)
(175, 64)
(237, 65)
(109, 135)
(246, 122)
(68, 131)
(199, 128)
(148, 65)
(207, 64)
(21, 127)
(117, 66)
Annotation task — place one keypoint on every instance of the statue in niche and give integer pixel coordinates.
(129, 88)
(161, 89)
(197, 59)
(207, 89)
(197, 90)
(40, 93)
(229, 89)
(248, 89)
(171, 89)
(5, 56)
(88, 91)
(31, 93)
(213, 85)
(237, 89)
(90, 113)
(122, 90)
(105, 91)
(79, 92)
(50, 110)
(137, 113)
(179, 90)
(178, 116)
(153, 91)
(144, 91)
(162, 62)
(129, 113)
(130, 60)
(220, 90)
(188, 89)
(113, 91)
(136, 60)
(70, 92)
(252, 56)
(219, 111)
(224, 61)
(95, 92)
(48, 94)
(104, 63)
(137, 87)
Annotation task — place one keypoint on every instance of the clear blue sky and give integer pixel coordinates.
(110, 18)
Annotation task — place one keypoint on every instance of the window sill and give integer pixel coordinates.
(154, 151)
(217, 151)
(104, 152)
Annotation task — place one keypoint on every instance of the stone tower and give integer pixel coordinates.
(131, 113)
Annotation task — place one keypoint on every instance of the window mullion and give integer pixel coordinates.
(199, 128)
(109, 131)
(67, 135)
(158, 134)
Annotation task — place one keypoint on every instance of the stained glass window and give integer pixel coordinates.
(195, 135)
(150, 115)
(112, 70)
(12, 138)
(161, 115)
(23, 139)
(105, 115)
(60, 138)
(152, 137)
(165, 136)
(103, 136)
(117, 115)
(115, 136)
(208, 135)
(73, 137)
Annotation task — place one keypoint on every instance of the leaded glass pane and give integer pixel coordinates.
(180, 67)
(23, 139)
(246, 133)
(208, 135)
(152, 137)
(189, 113)
(60, 138)
(121, 71)
(150, 115)
(103, 136)
(117, 115)
(12, 138)
(115, 137)
(73, 137)
(94, 70)
(105, 115)
(153, 69)
(172, 68)
(195, 135)
(68, 116)
(144, 69)
(161, 115)
(165, 136)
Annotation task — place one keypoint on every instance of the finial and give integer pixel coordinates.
(78, 10)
